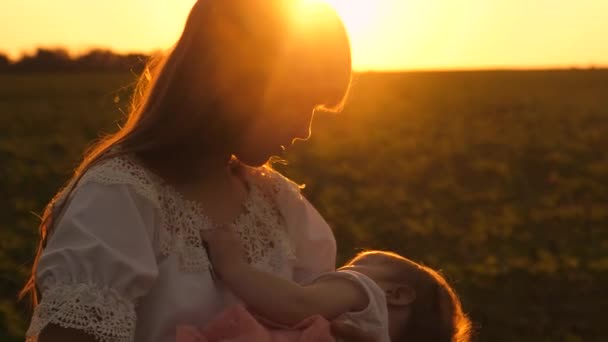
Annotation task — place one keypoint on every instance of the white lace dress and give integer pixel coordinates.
(126, 261)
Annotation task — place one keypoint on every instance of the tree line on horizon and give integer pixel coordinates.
(99, 59)
(60, 60)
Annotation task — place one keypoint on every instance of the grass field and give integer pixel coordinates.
(498, 178)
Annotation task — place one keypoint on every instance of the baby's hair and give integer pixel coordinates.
(436, 313)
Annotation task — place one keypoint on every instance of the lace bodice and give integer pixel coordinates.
(93, 274)
(260, 225)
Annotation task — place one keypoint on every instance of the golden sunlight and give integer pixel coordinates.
(358, 15)
(385, 34)
(361, 18)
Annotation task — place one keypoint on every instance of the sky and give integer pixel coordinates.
(385, 34)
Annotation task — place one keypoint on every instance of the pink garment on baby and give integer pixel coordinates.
(236, 324)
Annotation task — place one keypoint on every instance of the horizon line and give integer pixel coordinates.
(75, 52)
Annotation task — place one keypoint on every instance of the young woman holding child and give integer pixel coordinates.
(388, 296)
(121, 257)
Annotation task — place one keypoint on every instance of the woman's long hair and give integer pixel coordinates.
(198, 99)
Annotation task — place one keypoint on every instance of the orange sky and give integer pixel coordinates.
(385, 34)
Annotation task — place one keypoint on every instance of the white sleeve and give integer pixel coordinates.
(315, 246)
(311, 237)
(373, 319)
(97, 263)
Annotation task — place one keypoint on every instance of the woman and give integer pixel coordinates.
(121, 257)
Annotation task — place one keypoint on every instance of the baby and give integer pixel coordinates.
(386, 295)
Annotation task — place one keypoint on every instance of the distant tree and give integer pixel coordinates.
(4, 62)
(97, 59)
(51, 60)
(45, 60)
(107, 60)
(134, 62)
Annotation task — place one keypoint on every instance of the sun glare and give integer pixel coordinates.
(361, 19)
(358, 15)
(384, 34)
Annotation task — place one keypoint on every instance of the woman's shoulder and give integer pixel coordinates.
(273, 181)
(126, 170)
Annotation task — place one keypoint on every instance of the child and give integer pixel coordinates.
(387, 295)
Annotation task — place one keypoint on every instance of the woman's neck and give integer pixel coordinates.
(182, 169)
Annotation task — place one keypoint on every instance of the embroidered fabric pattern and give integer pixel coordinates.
(100, 312)
(261, 225)
(267, 227)
(262, 231)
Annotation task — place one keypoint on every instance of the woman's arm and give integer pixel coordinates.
(279, 299)
(95, 266)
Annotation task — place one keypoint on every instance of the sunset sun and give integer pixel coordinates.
(358, 15)
(384, 34)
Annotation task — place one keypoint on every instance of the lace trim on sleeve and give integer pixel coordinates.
(100, 312)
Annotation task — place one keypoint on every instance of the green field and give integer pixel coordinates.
(498, 178)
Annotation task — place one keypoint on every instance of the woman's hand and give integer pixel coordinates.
(225, 248)
(349, 333)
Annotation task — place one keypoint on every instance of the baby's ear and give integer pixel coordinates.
(400, 295)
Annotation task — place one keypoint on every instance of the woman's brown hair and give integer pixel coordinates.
(198, 98)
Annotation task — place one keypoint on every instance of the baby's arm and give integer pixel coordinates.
(278, 299)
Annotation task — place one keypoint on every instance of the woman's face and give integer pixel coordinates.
(274, 129)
